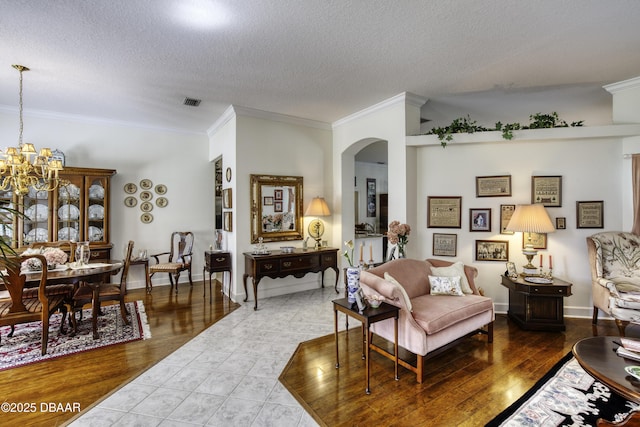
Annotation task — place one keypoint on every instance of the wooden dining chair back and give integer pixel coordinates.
(179, 258)
(22, 306)
(107, 292)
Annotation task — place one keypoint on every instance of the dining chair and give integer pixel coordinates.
(106, 292)
(23, 306)
(179, 260)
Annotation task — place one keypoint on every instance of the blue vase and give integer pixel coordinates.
(353, 283)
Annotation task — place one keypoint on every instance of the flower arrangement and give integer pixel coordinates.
(54, 257)
(398, 234)
(347, 255)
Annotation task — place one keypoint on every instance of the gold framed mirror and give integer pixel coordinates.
(276, 208)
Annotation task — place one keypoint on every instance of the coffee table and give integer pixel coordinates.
(597, 356)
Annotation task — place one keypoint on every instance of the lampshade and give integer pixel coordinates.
(318, 207)
(531, 219)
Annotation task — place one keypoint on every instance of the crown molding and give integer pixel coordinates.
(404, 97)
(633, 83)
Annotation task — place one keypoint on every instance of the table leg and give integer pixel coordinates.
(95, 309)
(367, 390)
(335, 326)
(395, 344)
(147, 282)
(337, 276)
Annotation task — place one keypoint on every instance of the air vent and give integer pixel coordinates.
(192, 102)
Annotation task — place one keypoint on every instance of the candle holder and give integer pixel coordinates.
(371, 263)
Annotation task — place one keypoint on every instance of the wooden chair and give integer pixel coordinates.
(107, 292)
(179, 259)
(19, 307)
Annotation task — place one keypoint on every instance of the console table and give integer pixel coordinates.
(216, 262)
(279, 264)
(537, 306)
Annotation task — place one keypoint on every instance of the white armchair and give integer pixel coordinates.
(615, 272)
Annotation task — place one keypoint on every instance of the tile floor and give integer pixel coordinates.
(227, 375)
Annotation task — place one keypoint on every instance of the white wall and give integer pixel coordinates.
(590, 170)
(178, 160)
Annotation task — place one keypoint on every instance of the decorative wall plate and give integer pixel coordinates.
(145, 196)
(161, 189)
(130, 201)
(130, 188)
(146, 218)
(161, 202)
(146, 184)
(146, 206)
(228, 174)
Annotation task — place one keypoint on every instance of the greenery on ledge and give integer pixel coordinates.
(466, 125)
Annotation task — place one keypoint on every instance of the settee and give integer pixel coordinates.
(429, 321)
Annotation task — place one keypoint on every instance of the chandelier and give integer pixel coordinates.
(23, 168)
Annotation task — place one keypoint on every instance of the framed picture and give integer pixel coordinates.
(493, 186)
(277, 194)
(505, 215)
(277, 206)
(547, 190)
(372, 206)
(511, 270)
(360, 300)
(538, 240)
(444, 212)
(561, 223)
(590, 214)
(226, 198)
(267, 201)
(479, 219)
(228, 224)
(492, 250)
(445, 244)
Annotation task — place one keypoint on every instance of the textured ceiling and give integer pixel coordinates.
(136, 60)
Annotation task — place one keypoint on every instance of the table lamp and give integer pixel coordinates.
(318, 207)
(530, 219)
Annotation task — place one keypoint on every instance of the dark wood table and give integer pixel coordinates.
(368, 317)
(91, 275)
(279, 264)
(537, 306)
(216, 262)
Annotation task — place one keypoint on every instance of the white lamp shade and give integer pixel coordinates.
(318, 207)
(531, 219)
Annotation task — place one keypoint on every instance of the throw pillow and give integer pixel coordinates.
(454, 270)
(445, 286)
(395, 283)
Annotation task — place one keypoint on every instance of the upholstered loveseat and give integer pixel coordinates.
(428, 321)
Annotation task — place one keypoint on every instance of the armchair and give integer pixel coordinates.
(179, 260)
(614, 258)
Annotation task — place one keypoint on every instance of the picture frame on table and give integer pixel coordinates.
(511, 270)
(479, 219)
(538, 240)
(444, 212)
(506, 211)
(360, 300)
(492, 250)
(445, 244)
(590, 214)
(493, 186)
(547, 190)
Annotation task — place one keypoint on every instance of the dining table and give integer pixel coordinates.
(91, 274)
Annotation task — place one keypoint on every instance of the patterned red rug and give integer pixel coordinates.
(24, 347)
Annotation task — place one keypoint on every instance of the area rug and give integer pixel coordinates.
(565, 396)
(24, 347)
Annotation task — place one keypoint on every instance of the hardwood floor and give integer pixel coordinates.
(466, 385)
(85, 378)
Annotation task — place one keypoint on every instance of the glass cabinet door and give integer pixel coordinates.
(67, 210)
(8, 221)
(37, 217)
(97, 209)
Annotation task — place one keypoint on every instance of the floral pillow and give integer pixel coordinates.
(444, 285)
(454, 270)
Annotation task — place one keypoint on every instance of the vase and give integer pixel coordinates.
(401, 251)
(353, 283)
(82, 253)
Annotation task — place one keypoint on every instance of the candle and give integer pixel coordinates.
(370, 251)
(540, 260)
(550, 263)
(361, 250)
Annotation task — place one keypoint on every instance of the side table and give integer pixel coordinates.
(216, 262)
(368, 316)
(144, 262)
(537, 306)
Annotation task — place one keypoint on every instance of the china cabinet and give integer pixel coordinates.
(77, 211)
